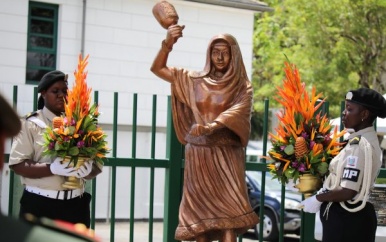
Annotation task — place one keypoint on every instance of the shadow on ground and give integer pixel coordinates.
(288, 238)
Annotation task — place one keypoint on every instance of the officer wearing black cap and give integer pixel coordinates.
(33, 229)
(47, 80)
(345, 212)
(370, 99)
(43, 176)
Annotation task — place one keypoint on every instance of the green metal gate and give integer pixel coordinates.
(173, 165)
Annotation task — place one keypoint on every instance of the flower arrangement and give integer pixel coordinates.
(76, 133)
(304, 143)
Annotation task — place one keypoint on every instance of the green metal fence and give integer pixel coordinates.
(173, 165)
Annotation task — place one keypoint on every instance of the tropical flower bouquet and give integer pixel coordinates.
(76, 135)
(304, 143)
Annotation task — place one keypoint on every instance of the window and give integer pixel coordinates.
(42, 40)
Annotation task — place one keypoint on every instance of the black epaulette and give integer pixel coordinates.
(30, 114)
(60, 227)
(355, 140)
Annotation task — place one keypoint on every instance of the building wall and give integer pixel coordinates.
(122, 38)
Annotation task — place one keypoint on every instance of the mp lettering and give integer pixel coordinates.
(350, 174)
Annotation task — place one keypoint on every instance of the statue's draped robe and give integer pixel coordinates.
(214, 195)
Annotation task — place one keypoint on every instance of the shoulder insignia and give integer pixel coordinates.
(33, 117)
(31, 114)
(355, 140)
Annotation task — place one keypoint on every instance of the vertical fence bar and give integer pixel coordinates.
(152, 156)
(94, 181)
(265, 129)
(262, 197)
(173, 180)
(282, 209)
(35, 103)
(114, 169)
(134, 132)
(133, 169)
(12, 174)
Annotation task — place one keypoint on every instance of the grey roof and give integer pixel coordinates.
(253, 5)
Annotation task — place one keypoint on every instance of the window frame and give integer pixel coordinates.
(44, 50)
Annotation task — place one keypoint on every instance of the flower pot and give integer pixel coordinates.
(308, 184)
(73, 182)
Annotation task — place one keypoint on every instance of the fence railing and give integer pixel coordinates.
(172, 165)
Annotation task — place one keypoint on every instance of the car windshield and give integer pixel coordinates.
(270, 184)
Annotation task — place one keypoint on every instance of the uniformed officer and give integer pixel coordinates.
(12, 230)
(345, 212)
(43, 176)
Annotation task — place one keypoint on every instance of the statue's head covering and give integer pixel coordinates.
(236, 71)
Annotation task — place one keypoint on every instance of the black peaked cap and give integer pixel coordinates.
(370, 99)
(50, 78)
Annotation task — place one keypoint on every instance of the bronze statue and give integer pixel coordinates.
(211, 113)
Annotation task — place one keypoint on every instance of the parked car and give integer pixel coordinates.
(271, 220)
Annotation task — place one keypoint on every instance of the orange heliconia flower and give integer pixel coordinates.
(297, 103)
(299, 117)
(78, 98)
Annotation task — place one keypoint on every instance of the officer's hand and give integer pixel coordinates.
(322, 190)
(62, 169)
(85, 169)
(310, 205)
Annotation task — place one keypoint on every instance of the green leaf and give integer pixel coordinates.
(290, 172)
(322, 168)
(71, 130)
(289, 150)
(73, 151)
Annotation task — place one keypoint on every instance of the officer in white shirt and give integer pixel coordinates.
(345, 212)
(33, 229)
(43, 176)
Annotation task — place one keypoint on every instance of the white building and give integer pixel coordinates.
(122, 38)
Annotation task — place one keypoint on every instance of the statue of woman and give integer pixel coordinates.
(211, 113)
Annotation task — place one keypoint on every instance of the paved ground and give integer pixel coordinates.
(122, 232)
(141, 232)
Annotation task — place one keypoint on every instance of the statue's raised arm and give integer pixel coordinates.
(167, 16)
(159, 66)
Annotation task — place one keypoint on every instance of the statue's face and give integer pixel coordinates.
(221, 56)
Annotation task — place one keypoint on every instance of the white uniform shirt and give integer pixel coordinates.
(354, 160)
(28, 145)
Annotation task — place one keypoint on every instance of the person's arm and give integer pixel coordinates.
(338, 195)
(31, 169)
(313, 203)
(94, 172)
(159, 67)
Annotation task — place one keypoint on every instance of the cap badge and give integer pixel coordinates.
(349, 96)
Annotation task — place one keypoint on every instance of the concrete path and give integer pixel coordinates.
(141, 232)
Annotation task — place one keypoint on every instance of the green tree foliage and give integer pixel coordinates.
(337, 46)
